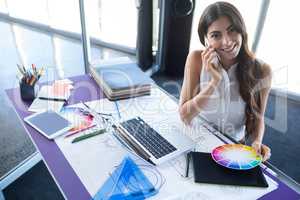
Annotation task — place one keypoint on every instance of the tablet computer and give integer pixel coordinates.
(49, 123)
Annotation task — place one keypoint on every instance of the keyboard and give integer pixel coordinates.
(148, 137)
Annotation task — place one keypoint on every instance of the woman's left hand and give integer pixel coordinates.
(262, 149)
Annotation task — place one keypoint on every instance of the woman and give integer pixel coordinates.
(225, 83)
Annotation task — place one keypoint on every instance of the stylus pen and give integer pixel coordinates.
(117, 107)
(99, 113)
(130, 147)
(52, 99)
(89, 135)
(187, 165)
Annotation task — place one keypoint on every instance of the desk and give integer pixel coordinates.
(85, 89)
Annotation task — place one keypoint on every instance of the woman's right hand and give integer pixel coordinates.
(208, 55)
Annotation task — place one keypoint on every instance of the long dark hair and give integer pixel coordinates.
(249, 70)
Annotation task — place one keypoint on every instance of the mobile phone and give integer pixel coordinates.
(206, 42)
(216, 60)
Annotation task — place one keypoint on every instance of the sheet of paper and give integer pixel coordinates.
(58, 90)
(93, 159)
(40, 105)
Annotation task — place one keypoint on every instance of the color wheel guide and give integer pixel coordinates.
(236, 156)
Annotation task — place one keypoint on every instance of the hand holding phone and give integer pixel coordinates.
(216, 60)
(211, 62)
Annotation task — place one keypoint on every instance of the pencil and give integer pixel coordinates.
(21, 70)
(86, 136)
(32, 80)
(34, 69)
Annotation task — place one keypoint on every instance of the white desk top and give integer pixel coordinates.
(94, 159)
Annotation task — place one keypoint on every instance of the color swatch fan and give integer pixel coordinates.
(236, 156)
(79, 118)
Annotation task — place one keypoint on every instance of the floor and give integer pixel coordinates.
(64, 57)
(36, 184)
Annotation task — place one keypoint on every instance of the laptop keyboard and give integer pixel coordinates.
(148, 137)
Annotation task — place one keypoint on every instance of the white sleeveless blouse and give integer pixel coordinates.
(225, 107)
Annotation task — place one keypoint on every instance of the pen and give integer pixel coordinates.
(131, 146)
(19, 76)
(24, 70)
(21, 70)
(187, 164)
(80, 130)
(86, 136)
(32, 80)
(52, 99)
(99, 113)
(33, 69)
(117, 107)
(40, 72)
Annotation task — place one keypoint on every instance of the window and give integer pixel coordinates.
(33, 10)
(64, 15)
(37, 48)
(3, 8)
(278, 45)
(112, 21)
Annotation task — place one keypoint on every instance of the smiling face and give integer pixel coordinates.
(223, 37)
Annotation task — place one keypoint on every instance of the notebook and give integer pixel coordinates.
(206, 170)
(60, 90)
(51, 92)
(119, 81)
(40, 105)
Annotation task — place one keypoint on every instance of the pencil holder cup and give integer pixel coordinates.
(28, 92)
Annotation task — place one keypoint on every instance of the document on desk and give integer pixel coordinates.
(40, 105)
(93, 166)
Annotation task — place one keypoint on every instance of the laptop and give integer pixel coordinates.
(153, 146)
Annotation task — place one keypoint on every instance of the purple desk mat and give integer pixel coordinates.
(86, 89)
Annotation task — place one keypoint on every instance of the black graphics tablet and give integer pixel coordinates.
(206, 170)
